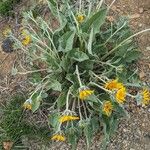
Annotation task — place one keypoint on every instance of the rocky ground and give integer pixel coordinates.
(133, 133)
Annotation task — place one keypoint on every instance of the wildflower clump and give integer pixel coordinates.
(76, 69)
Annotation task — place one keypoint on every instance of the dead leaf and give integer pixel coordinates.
(141, 74)
(110, 18)
(7, 145)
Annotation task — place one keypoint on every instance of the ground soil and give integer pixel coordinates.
(133, 133)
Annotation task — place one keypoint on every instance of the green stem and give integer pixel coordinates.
(98, 77)
(78, 75)
(92, 83)
(67, 101)
(79, 109)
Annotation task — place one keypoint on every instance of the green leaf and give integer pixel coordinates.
(66, 63)
(61, 101)
(14, 71)
(132, 55)
(95, 21)
(55, 85)
(52, 6)
(66, 41)
(87, 65)
(72, 137)
(54, 120)
(72, 78)
(63, 22)
(78, 55)
(88, 134)
(36, 100)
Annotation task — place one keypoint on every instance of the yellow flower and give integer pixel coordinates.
(26, 38)
(7, 31)
(145, 97)
(120, 95)
(80, 18)
(68, 118)
(107, 108)
(27, 104)
(113, 85)
(58, 137)
(83, 94)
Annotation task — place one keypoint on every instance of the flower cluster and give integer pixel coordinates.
(68, 118)
(85, 93)
(26, 38)
(120, 90)
(58, 137)
(27, 104)
(107, 108)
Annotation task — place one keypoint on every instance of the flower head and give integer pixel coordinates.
(145, 97)
(68, 118)
(58, 137)
(107, 108)
(26, 38)
(27, 104)
(85, 93)
(113, 85)
(120, 95)
(80, 18)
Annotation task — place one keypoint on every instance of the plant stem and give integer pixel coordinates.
(79, 109)
(98, 77)
(78, 75)
(23, 73)
(67, 101)
(85, 112)
(100, 87)
(100, 4)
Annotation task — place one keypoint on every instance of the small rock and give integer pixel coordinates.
(7, 45)
(141, 10)
(148, 48)
(134, 16)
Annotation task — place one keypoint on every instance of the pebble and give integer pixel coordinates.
(141, 10)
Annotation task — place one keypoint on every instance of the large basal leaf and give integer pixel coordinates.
(78, 55)
(66, 41)
(95, 21)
